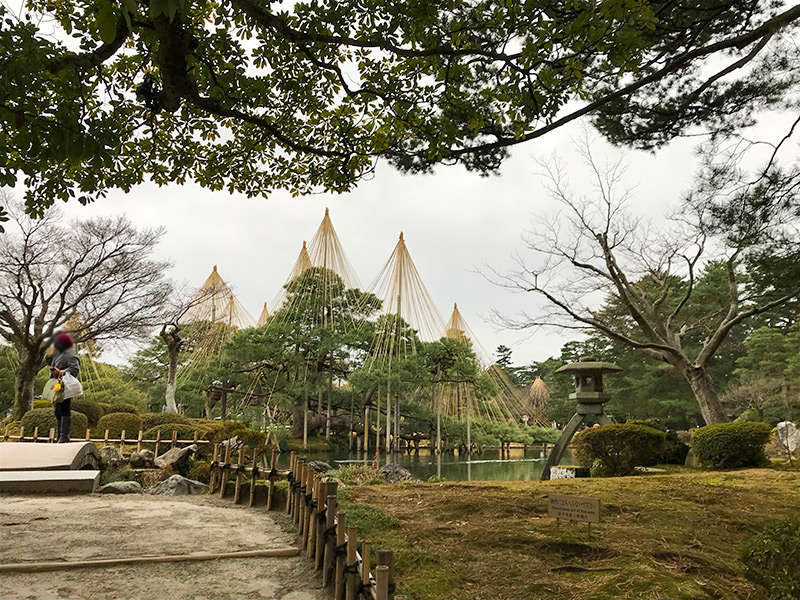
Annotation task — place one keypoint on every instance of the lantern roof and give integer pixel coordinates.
(588, 364)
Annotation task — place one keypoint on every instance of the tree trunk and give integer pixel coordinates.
(706, 395)
(29, 364)
(172, 380)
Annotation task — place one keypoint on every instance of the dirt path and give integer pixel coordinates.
(48, 528)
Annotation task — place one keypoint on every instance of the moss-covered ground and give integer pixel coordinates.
(674, 535)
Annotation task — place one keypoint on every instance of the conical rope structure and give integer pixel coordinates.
(403, 294)
(215, 307)
(263, 317)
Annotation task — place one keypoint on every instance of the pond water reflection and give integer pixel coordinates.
(516, 464)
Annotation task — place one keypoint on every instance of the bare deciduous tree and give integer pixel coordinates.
(600, 267)
(97, 272)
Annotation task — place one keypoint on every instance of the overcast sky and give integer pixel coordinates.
(454, 223)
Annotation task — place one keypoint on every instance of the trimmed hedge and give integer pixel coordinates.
(615, 450)
(44, 419)
(731, 445)
(771, 558)
(93, 411)
(185, 431)
(117, 422)
(150, 420)
(121, 408)
(42, 404)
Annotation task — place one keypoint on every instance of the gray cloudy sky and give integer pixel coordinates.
(454, 222)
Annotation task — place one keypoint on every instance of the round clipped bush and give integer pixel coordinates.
(772, 556)
(42, 404)
(219, 431)
(185, 431)
(120, 408)
(616, 450)
(116, 423)
(731, 445)
(45, 419)
(91, 409)
(150, 420)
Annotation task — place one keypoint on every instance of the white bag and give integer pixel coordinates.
(72, 387)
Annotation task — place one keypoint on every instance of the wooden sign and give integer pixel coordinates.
(574, 508)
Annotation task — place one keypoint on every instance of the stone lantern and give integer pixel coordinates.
(589, 397)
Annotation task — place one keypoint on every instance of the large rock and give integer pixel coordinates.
(788, 435)
(395, 473)
(121, 487)
(142, 460)
(176, 458)
(177, 485)
(318, 466)
(111, 457)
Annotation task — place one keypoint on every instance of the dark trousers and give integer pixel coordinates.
(63, 408)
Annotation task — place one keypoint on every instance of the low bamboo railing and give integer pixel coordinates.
(122, 440)
(311, 503)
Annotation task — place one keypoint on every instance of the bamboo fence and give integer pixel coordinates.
(171, 441)
(311, 503)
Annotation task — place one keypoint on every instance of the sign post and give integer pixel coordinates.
(574, 508)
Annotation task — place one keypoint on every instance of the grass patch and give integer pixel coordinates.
(674, 535)
(356, 475)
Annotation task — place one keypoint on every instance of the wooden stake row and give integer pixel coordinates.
(172, 441)
(311, 504)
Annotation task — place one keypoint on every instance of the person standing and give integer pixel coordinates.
(63, 360)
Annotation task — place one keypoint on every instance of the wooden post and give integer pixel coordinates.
(158, 440)
(303, 507)
(22, 433)
(382, 582)
(271, 488)
(298, 492)
(224, 477)
(326, 489)
(237, 494)
(289, 493)
(122, 442)
(174, 438)
(194, 438)
(35, 434)
(365, 564)
(386, 559)
(52, 435)
(105, 438)
(88, 434)
(352, 564)
(311, 514)
(212, 484)
(5, 433)
(316, 500)
(366, 429)
(330, 541)
(338, 584)
(139, 441)
(253, 479)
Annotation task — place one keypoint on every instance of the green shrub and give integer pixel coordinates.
(117, 422)
(356, 475)
(92, 410)
(252, 438)
(219, 431)
(150, 420)
(185, 431)
(771, 558)
(200, 471)
(43, 404)
(731, 445)
(675, 449)
(120, 408)
(651, 422)
(44, 419)
(615, 450)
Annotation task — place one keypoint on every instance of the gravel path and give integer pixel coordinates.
(52, 528)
